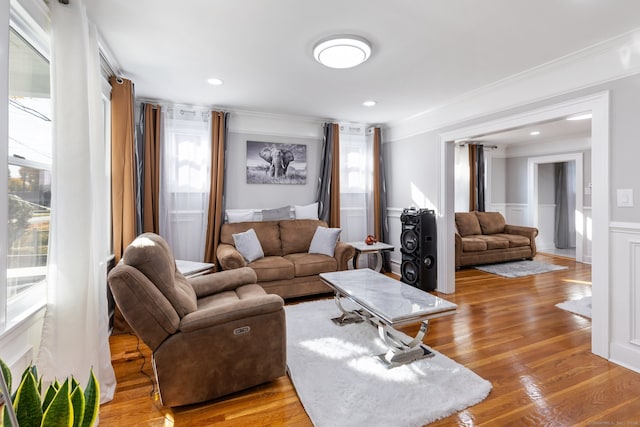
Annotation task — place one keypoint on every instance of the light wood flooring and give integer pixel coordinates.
(508, 331)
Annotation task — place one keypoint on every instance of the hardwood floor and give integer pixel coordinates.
(508, 331)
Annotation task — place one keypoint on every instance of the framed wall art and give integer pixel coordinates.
(276, 163)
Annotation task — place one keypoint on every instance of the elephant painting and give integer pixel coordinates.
(278, 161)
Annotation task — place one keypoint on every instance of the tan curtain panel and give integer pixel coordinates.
(150, 221)
(216, 196)
(334, 213)
(123, 198)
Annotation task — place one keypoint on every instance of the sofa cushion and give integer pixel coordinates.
(296, 234)
(273, 268)
(467, 224)
(268, 233)
(312, 264)
(494, 242)
(471, 244)
(515, 240)
(248, 245)
(491, 222)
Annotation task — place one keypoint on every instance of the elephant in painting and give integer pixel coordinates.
(278, 161)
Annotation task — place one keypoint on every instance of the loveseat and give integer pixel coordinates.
(287, 268)
(484, 237)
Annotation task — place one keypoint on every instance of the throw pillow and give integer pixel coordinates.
(306, 211)
(248, 245)
(276, 214)
(324, 241)
(239, 215)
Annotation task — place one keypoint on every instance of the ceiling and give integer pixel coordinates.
(424, 52)
(554, 130)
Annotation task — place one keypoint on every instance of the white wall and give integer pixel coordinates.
(245, 127)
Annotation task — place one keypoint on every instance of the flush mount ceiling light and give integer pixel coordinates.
(370, 103)
(342, 51)
(534, 133)
(214, 81)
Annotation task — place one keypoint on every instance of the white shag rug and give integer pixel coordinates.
(519, 268)
(580, 306)
(341, 382)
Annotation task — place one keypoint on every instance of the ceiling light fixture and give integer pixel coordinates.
(214, 81)
(583, 116)
(342, 51)
(534, 133)
(370, 103)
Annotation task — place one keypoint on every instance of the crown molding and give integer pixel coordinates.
(606, 61)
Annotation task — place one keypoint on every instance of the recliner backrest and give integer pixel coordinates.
(151, 255)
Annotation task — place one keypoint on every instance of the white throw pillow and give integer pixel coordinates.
(239, 215)
(324, 241)
(248, 245)
(306, 211)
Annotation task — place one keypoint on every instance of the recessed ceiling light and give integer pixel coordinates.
(214, 81)
(342, 51)
(370, 103)
(583, 116)
(534, 133)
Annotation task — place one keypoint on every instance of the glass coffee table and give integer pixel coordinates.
(388, 304)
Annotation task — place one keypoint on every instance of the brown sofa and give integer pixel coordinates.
(211, 335)
(287, 268)
(483, 238)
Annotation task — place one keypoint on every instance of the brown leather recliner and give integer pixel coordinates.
(210, 335)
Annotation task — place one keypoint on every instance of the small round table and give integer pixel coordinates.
(377, 249)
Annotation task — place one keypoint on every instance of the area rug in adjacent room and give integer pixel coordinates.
(580, 306)
(341, 382)
(519, 268)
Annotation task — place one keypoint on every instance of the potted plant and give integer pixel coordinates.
(65, 404)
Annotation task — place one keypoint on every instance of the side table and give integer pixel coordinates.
(192, 268)
(377, 249)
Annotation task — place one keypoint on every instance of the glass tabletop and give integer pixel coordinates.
(391, 300)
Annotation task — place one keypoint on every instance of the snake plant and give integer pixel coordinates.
(65, 404)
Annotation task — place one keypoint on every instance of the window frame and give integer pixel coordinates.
(29, 19)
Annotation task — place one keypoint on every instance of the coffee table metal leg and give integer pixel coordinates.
(347, 317)
(401, 352)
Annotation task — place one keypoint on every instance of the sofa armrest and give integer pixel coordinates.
(229, 257)
(530, 232)
(208, 284)
(343, 253)
(240, 309)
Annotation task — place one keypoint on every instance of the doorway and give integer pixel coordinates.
(598, 105)
(537, 215)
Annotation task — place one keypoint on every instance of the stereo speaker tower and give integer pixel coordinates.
(418, 247)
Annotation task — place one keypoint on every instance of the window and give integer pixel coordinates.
(185, 181)
(28, 191)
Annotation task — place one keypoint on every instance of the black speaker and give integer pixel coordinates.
(418, 245)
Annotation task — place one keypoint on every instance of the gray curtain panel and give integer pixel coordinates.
(565, 227)
(480, 178)
(386, 256)
(323, 195)
(139, 167)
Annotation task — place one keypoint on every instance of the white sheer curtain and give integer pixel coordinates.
(185, 180)
(356, 184)
(75, 336)
(461, 178)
